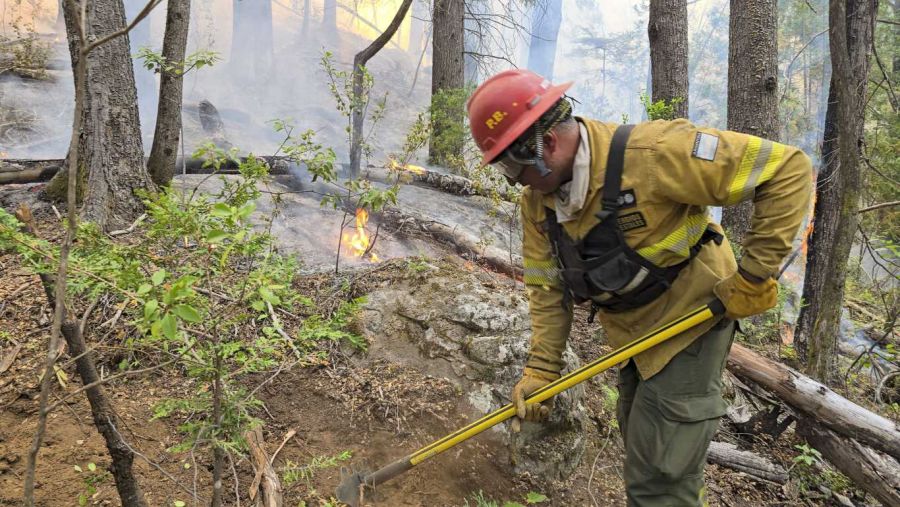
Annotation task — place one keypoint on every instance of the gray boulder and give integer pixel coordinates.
(473, 330)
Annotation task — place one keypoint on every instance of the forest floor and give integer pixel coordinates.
(345, 410)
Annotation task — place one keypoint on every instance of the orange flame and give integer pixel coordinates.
(393, 165)
(359, 242)
(804, 245)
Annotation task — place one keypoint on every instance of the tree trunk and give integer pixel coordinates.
(752, 86)
(817, 401)
(161, 164)
(110, 153)
(251, 39)
(876, 474)
(329, 17)
(447, 70)
(360, 94)
(668, 34)
(545, 20)
(105, 418)
(851, 29)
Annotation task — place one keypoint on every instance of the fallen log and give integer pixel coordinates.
(467, 247)
(877, 474)
(449, 183)
(817, 401)
(28, 171)
(728, 455)
(36, 171)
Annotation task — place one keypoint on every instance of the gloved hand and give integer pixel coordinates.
(743, 298)
(532, 380)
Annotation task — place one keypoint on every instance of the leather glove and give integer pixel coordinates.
(743, 298)
(532, 380)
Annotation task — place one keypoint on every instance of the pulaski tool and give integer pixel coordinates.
(353, 484)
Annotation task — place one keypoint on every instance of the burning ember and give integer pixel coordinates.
(359, 242)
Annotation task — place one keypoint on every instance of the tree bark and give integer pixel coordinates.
(752, 86)
(876, 474)
(545, 20)
(447, 70)
(668, 34)
(164, 151)
(817, 401)
(360, 94)
(110, 153)
(851, 29)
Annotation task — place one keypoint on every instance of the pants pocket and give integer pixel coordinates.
(668, 438)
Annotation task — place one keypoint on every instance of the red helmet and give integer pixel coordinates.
(504, 106)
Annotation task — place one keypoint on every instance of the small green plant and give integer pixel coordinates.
(316, 329)
(808, 456)
(155, 62)
(25, 53)
(661, 109)
(90, 478)
(293, 472)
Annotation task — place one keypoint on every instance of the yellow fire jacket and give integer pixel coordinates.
(673, 171)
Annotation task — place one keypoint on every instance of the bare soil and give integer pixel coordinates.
(377, 410)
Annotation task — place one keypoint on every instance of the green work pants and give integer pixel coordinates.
(668, 420)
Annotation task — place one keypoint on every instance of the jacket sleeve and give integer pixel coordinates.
(550, 322)
(702, 166)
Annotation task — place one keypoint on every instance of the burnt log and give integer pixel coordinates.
(449, 183)
(816, 401)
(36, 171)
(408, 223)
(877, 474)
(28, 171)
(728, 455)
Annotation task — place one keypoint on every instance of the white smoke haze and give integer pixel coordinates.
(270, 69)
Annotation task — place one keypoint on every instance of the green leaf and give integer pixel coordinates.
(92, 467)
(178, 503)
(169, 326)
(144, 288)
(158, 277)
(258, 305)
(188, 313)
(512, 504)
(150, 308)
(221, 210)
(216, 236)
(268, 295)
(247, 209)
(533, 498)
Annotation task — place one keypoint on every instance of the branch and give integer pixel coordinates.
(137, 19)
(879, 206)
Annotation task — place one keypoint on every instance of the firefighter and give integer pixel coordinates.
(616, 216)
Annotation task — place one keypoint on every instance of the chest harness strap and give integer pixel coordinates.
(601, 267)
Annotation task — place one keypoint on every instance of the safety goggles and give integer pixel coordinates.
(513, 161)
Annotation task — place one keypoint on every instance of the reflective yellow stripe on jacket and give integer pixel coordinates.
(544, 273)
(678, 241)
(757, 167)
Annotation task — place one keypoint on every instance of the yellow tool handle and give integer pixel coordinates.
(572, 379)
